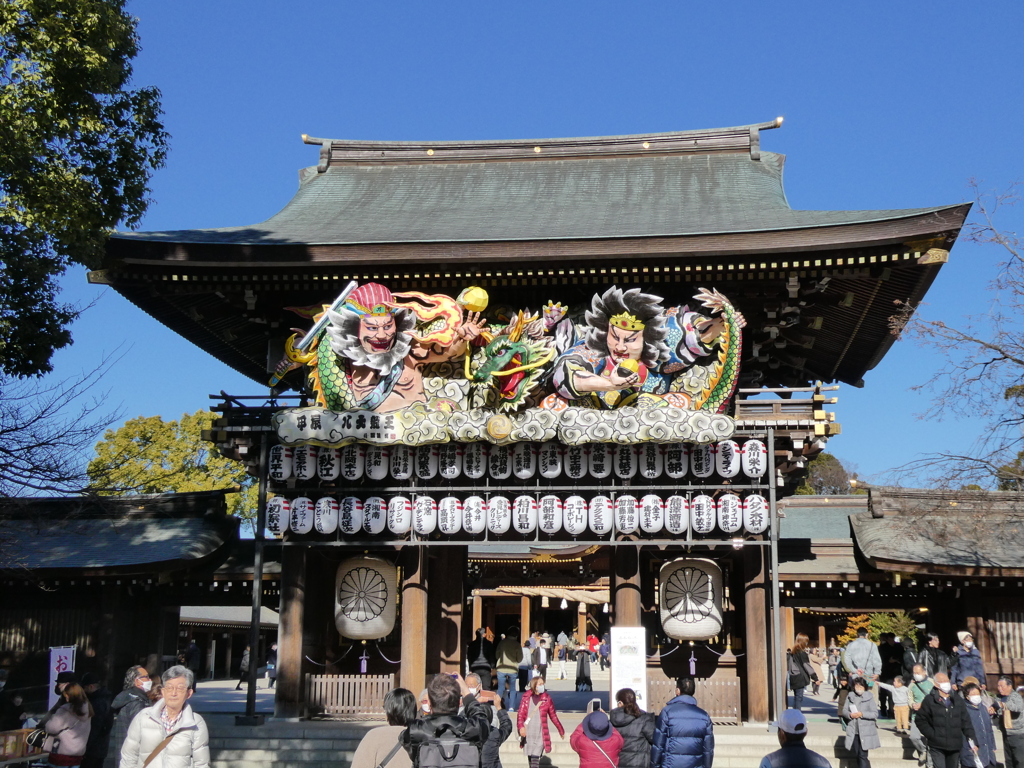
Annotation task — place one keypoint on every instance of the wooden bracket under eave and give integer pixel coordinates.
(934, 256)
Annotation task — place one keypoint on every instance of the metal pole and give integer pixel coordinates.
(257, 588)
(776, 650)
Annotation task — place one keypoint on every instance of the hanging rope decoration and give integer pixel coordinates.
(389, 661)
(331, 663)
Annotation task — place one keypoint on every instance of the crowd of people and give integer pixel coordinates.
(938, 700)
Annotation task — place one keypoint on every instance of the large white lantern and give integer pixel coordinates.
(304, 462)
(277, 515)
(281, 462)
(702, 514)
(301, 520)
(424, 515)
(325, 515)
(350, 516)
(402, 461)
(652, 513)
(677, 515)
(353, 460)
(626, 518)
(755, 513)
(574, 515)
(550, 460)
(365, 592)
(601, 515)
(328, 463)
(377, 462)
(449, 460)
(474, 515)
(702, 462)
(449, 515)
(499, 514)
(690, 599)
(730, 513)
(524, 514)
(577, 461)
(677, 460)
(399, 514)
(601, 460)
(474, 460)
(755, 458)
(549, 514)
(625, 461)
(727, 458)
(375, 515)
(499, 462)
(426, 462)
(524, 460)
(651, 461)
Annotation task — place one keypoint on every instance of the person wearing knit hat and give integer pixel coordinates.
(966, 662)
(596, 741)
(793, 753)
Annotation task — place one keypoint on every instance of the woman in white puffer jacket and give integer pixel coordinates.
(189, 745)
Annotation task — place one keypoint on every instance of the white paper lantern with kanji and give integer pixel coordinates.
(626, 517)
(449, 460)
(524, 460)
(524, 514)
(677, 460)
(328, 463)
(625, 461)
(652, 461)
(365, 598)
(499, 514)
(549, 514)
(652, 513)
(426, 462)
(325, 515)
(574, 515)
(727, 458)
(474, 460)
(281, 462)
(277, 515)
(755, 513)
(424, 515)
(677, 515)
(304, 462)
(730, 513)
(377, 462)
(449, 515)
(702, 462)
(375, 515)
(601, 458)
(350, 516)
(690, 599)
(301, 518)
(601, 515)
(702, 514)
(550, 460)
(399, 515)
(402, 461)
(755, 458)
(353, 460)
(499, 462)
(474, 515)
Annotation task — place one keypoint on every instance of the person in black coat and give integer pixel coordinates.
(102, 721)
(127, 704)
(583, 681)
(480, 654)
(932, 657)
(637, 729)
(945, 723)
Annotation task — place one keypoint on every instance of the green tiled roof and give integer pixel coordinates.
(819, 517)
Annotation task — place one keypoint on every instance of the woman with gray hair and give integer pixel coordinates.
(380, 746)
(168, 734)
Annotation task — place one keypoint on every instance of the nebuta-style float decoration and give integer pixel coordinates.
(416, 369)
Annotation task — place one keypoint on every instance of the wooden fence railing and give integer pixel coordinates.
(720, 698)
(359, 696)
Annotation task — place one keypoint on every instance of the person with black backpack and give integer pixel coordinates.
(444, 738)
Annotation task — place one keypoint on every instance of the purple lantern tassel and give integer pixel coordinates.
(363, 659)
(693, 665)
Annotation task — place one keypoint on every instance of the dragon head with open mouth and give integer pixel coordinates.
(512, 362)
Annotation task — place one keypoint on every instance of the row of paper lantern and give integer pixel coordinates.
(523, 514)
(449, 461)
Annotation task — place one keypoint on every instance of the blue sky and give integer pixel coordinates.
(886, 105)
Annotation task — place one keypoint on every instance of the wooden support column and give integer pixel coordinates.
(755, 599)
(822, 642)
(413, 671)
(581, 621)
(524, 629)
(447, 579)
(788, 627)
(626, 602)
(289, 698)
(478, 613)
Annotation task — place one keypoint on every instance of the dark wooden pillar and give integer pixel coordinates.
(289, 699)
(626, 602)
(413, 671)
(447, 580)
(755, 598)
(524, 629)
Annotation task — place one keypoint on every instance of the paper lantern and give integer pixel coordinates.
(301, 520)
(353, 460)
(499, 514)
(625, 461)
(601, 455)
(677, 515)
(550, 460)
(651, 461)
(377, 462)
(449, 460)
(702, 514)
(626, 517)
(577, 461)
(449, 515)
(549, 514)
(328, 463)
(474, 515)
(524, 514)
(600, 515)
(730, 513)
(304, 462)
(755, 513)
(474, 460)
(690, 599)
(524, 460)
(702, 462)
(281, 462)
(399, 514)
(402, 460)
(677, 460)
(727, 458)
(365, 592)
(652, 514)
(278, 510)
(375, 515)
(424, 515)
(574, 515)
(350, 516)
(755, 458)
(325, 515)
(426, 462)
(499, 462)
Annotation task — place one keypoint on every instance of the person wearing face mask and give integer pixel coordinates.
(861, 711)
(535, 710)
(127, 704)
(1011, 722)
(453, 711)
(966, 661)
(920, 686)
(982, 722)
(12, 714)
(945, 723)
(501, 723)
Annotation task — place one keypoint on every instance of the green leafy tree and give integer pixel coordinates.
(897, 622)
(826, 476)
(77, 147)
(150, 455)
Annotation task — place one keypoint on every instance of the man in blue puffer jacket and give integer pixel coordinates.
(683, 737)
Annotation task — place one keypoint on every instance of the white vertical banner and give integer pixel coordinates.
(61, 660)
(629, 664)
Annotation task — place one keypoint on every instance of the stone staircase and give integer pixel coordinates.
(327, 744)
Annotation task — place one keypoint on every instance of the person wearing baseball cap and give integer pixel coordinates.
(792, 727)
